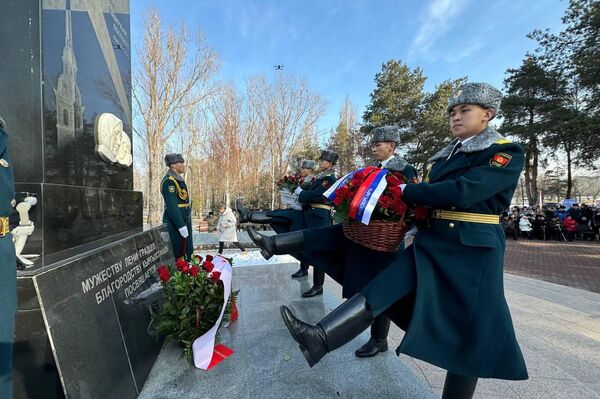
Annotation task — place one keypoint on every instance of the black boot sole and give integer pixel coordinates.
(309, 359)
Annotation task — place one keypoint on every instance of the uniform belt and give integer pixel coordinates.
(321, 206)
(4, 227)
(184, 205)
(465, 216)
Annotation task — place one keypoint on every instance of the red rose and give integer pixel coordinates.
(399, 207)
(194, 270)
(360, 176)
(385, 201)
(197, 259)
(181, 263)
(395, 192)
(208, 266)
(209, 258)
(342, 192)
(185, 268)
(393, 180)
(163, 273)
(421, 213)
(337, 201)
(215, 276)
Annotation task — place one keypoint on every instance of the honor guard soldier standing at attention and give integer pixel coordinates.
(8, 267)
(446, 290)
(178, 208)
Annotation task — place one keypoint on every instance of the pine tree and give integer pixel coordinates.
(431, 131)
(533, 94)
(396, 98)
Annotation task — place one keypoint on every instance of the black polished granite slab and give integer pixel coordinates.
(101, 333)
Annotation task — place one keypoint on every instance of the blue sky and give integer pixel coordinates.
(339, 45)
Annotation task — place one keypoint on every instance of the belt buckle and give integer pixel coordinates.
(4, 226)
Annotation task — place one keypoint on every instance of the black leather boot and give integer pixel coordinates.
(459, 386)
(378, 341)
(303, 271)
(340, 326)
(278, 244)
(242, 211)
(314, 291)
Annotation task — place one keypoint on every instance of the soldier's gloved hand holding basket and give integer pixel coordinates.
(369, 204)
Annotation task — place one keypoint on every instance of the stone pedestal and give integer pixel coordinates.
(83, 327)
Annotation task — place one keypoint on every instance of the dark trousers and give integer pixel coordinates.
(318, 277)
(8, 308)
(236, 243)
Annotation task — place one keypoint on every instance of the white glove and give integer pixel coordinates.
(184, 232)
(411, 232)
(298, 190)
(402, 187)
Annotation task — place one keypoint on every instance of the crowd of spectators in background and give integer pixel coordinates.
(552, 222)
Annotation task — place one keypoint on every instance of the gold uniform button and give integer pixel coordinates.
(4, 162)
(13, 202)
(451, 225)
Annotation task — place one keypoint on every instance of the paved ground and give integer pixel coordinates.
(558, 328)
(575, 264)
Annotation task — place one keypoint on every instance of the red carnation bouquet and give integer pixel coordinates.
(369, 204)
(193, 300)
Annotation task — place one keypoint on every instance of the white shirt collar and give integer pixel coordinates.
(385, 161)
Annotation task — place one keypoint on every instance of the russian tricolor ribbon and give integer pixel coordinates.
(367, 195)
(330, 193)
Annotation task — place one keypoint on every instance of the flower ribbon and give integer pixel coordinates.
(330, 193)
(367, 195)
(204, 346)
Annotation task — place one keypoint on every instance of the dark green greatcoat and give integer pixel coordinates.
(286, 220)
(446, 290)
(178, 213)
(8, 271)
(350, 264)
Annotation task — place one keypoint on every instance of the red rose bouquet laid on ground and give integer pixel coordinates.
(193, 300)
(369, 204)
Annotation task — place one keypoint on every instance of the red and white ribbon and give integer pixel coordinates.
(203, 347)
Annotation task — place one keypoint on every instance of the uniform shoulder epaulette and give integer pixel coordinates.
(503, 141)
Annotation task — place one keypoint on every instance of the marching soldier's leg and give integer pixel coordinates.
(303, 271)
(378, 341)
(458, 386)
(318, 281)
(356, 314)
(8, 304)
(333, 331)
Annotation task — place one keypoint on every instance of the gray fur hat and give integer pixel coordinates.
(307, 164)
(2, 123)
(170, 159)
(482, 94)
(329, 156)
(385, 133)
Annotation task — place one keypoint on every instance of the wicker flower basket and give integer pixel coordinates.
(378, 235)
(289, 200)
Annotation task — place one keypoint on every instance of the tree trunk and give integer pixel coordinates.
(534, 174)
(527, 174)
(569, 176)
(154, 191)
